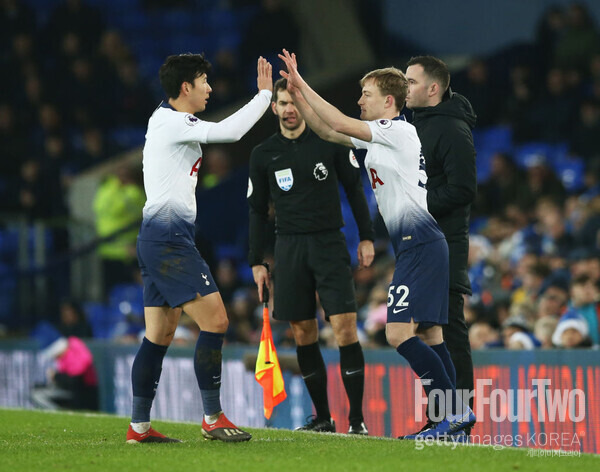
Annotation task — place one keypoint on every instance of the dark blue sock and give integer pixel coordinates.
(145, 374)
(427, 365)
(442, 351)
(207, 365)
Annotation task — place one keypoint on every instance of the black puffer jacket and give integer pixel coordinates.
(445, 134)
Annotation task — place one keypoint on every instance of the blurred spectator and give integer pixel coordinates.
(226, 84)
(519, 102)
(549, 31)
(216, 166)
(243, 326)
(77, 17)
(479, 89)
(534, 274)
(72, 381)
(118, 208)
(134, 102)
(227, 279)
(540, 182)
(571, 332)
(584, 139)
(376, 316)
(579, 42)
(482, 336)
(516, 334)
(543, 330)
(554, 112)
(555, 237)
(502, 187)
(585, 302)
(553, 300)
(38, 191)
(72, 321)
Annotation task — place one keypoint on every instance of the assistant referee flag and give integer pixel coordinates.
(268, 371)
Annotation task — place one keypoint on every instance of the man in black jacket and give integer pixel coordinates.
(444, 120)
(300, 172)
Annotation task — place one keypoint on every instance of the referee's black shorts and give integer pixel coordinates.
(305, 263)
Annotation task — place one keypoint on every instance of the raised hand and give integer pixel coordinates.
(292, 75)
(264, 74)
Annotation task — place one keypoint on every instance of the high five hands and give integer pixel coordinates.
(292, 75)
(264, 74)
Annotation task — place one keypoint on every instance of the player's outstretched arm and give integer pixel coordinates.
(327, 112)
(315, 123)
(234, 127)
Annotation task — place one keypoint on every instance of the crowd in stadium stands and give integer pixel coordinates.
(74, 82)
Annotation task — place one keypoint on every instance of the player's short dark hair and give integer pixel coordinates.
(181, 68)
(434, 68)
(390, 81)
(280, 84)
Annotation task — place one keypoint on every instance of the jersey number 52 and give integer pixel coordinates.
(398, 293)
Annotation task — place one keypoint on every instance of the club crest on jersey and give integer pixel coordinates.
(353, 159)
(191, 120)
(320, 171)
(285, 179)
(384, 123)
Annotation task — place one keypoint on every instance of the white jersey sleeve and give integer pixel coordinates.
(229, 130)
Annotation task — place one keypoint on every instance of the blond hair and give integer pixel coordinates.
(389, 81)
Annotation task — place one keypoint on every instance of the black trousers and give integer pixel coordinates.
(456, 335)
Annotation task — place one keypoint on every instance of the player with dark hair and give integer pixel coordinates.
(444, 120)
(175, 276)
(418, 294)
(301, 173)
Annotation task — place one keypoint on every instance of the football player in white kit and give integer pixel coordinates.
(175, 276)
(418, 294)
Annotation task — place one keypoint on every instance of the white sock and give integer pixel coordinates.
(141, 428)
(211, 419)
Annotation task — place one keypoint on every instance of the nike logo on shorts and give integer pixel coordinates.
(398, 311)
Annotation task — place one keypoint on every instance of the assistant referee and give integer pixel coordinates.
(300, 173)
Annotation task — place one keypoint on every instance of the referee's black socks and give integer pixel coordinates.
(352, 365)
(314, 374)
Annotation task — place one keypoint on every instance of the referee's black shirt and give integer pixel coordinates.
(301, 177)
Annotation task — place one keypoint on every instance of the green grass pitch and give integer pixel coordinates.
(46, 441)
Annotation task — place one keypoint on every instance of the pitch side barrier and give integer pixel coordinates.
(538, 399)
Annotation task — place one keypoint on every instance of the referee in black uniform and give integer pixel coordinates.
(300, 172)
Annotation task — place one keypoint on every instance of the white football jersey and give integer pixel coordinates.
(396, 170)
(171, 159)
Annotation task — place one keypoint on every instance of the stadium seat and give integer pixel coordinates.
(523, 153)
(571, 173)
(45, 333)
(497, 138)
(127, 298)
(102, 320)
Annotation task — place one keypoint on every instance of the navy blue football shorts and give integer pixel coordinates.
(419, 288)
(173, 273)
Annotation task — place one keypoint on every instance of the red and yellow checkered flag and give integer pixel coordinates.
(268, 372)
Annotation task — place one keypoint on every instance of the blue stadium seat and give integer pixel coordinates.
(102, 319)
(127, 298)
(45, 333)
(523, 153)
(498, 138)
(571, 173)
